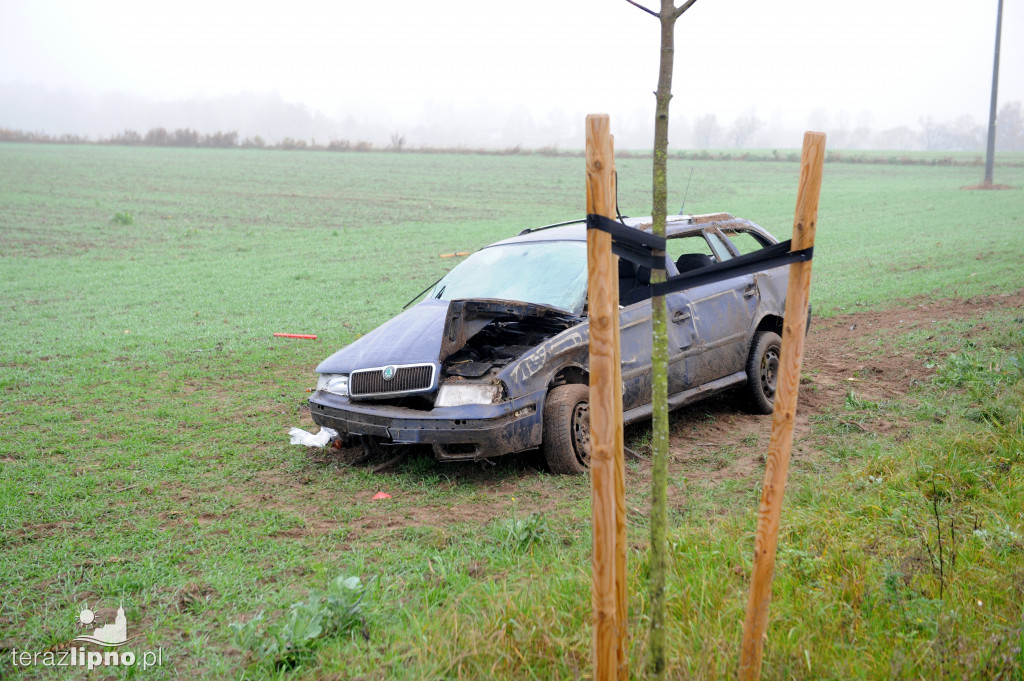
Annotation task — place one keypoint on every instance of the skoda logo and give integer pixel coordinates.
(388, 373)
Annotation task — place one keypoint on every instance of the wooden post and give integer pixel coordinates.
(777, 466)
(607, 467)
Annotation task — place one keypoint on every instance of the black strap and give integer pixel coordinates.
(767, 258)
(638, 246)
(635, 245)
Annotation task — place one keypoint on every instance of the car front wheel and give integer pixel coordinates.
(763, 371)
(567, 429)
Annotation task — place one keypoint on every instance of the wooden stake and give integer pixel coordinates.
(607, 466)
(777, 466)
(619, 464)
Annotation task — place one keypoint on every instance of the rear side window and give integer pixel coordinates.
(704, 244)
(695, 243)
(694, 251)
(746, 242)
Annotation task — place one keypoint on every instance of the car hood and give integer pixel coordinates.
(413, 337)
(429, 333)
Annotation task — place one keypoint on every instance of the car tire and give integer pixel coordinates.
(763, 371)
(567, 429)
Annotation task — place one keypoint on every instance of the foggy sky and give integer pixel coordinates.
(496, 74)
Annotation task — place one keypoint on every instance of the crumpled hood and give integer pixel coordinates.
(430, 332)
(413, 337)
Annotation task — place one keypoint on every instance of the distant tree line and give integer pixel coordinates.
(960, 134)
(186, 137)
(703, 133)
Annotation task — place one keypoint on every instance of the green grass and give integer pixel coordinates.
(144, 456)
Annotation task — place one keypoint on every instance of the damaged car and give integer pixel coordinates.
(494, 359)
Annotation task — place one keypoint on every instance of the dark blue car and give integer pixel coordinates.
(494, 359)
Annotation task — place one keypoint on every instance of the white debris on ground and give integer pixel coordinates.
(301, 437)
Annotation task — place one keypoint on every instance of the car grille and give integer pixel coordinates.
(411, 378)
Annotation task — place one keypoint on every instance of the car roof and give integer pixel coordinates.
(675, 225)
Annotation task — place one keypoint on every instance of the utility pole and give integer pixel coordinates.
(991, 150)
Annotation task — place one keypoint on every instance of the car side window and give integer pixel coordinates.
(745, 242)
(690, 243)
(693, 251)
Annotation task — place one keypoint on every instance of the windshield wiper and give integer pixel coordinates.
(424, 291)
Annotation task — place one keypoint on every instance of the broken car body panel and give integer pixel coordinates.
(493, 357)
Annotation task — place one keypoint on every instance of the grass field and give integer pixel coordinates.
(145, 406)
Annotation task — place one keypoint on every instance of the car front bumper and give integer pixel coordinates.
(465, 433)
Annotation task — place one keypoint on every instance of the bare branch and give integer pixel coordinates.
(682, 8)
(649, 11)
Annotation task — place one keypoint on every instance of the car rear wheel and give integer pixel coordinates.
(567, 429)
(763, 371)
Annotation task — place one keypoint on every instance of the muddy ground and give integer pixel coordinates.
(711, 442)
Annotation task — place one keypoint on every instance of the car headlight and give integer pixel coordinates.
(333, 383)
(459, 394)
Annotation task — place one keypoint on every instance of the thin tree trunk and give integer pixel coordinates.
(659, 354)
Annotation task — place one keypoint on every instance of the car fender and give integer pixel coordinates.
(536, 369)
(771, 288)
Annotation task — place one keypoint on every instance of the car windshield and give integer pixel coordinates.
(552, 273)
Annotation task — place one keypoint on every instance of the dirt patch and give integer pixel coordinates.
(984, 185)
(843, 355)
(34, 533)
(314, 506)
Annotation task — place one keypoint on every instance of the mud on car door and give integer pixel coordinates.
(721, 312)
(635, 337)
(635, 354)
(724, 312)
(683, 343)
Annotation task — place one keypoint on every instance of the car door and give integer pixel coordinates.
(635, 354)
(723, 314)
(719, 313)
(683, 342)
(636, 342)
(635, 338)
